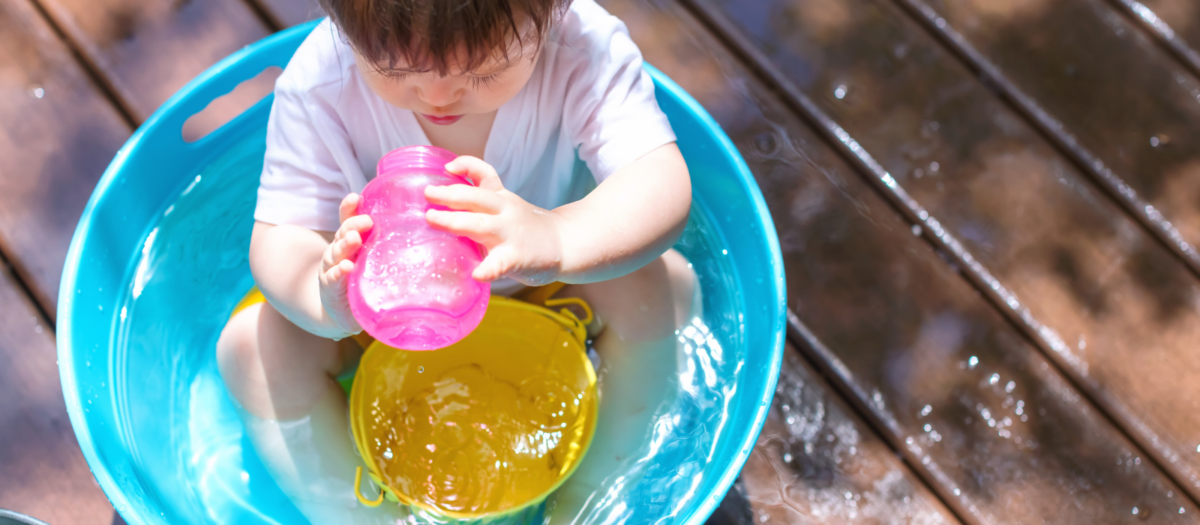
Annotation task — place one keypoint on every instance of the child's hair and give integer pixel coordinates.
(427, 34)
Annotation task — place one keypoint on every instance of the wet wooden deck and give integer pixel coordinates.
(989, 212)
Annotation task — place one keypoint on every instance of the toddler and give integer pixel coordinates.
(578, 181)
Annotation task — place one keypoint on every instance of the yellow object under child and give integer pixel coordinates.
(486, 427)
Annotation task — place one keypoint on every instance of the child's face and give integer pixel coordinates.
(443, 100)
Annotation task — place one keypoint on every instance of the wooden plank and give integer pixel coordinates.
(1108, 304)
(1009, 440)
(287, 13)
(42, 472)
(59, 133)
(816, 461)
(146, 51)
(1103, 90)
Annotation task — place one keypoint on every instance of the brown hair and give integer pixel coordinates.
(426, 34)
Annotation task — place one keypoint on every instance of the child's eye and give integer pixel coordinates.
(392, 74)
(478, 82)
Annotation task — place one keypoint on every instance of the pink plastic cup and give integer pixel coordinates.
(411, 287)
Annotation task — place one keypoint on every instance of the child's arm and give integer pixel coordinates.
(630, 219)
(285, 258)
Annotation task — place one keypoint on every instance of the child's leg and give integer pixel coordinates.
(273, 368)
(638, 316)
(295, 414)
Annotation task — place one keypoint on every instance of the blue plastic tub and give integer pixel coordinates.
(139, 312)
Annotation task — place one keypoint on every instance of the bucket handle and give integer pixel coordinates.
(577, 326)
(577, 302)
(358, 490)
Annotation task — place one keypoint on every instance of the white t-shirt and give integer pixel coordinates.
(588, 99)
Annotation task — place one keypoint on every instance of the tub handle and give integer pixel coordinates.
(358, 490)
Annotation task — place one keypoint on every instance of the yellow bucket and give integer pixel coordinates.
(516, 344)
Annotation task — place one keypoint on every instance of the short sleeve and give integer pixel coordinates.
(610, 113)
(302, 183)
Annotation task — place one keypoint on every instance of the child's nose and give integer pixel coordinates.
(439, 94)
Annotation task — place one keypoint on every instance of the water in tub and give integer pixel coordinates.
(644, 466)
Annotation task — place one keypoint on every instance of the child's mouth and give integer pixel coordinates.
(442, 121)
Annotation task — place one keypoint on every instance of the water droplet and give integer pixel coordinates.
(916, 230)
(387, 454)
(840, 91)
(36, 91)
(975, 361)
(925, 411)
(420, 370)
(1010, 386)
(787, 458)
(994, 379)
(934, 166)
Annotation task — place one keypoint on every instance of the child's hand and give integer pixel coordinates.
(522, 240)
(338, 262)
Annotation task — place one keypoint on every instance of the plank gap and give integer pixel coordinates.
(265, 16)
(16, 274)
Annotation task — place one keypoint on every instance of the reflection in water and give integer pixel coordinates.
(471, 441)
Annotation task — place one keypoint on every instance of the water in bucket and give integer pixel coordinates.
(192, 271)
(485, 427)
